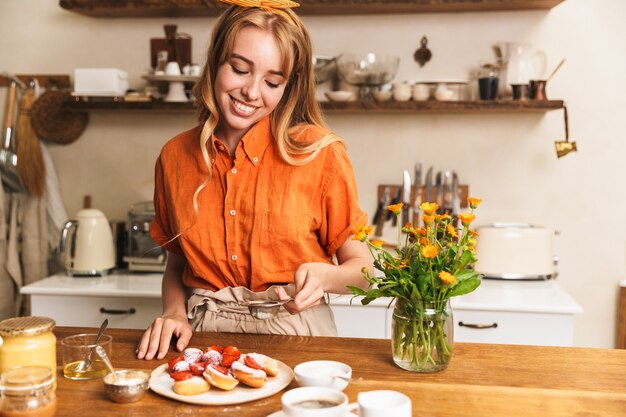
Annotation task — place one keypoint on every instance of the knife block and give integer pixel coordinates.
(393, 191)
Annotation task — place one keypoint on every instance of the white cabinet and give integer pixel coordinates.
(527, 312)
(520, 312)
(128, 301)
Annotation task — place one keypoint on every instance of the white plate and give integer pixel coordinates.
(162, 383)
(281, 414)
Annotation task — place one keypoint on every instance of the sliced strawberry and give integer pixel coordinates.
(197, 368)
(173, 362)
(181, 376)
(217, 348)
(251, 363)
(232, 350)
(220, 368)
(230, 355)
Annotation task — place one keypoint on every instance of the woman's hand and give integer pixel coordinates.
(309, 281)
(156, 339)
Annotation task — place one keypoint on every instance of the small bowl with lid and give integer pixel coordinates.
(332, 374)
(126, 386)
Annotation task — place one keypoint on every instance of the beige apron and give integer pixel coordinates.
(220, 311)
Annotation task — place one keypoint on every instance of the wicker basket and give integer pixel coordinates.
(55, 124)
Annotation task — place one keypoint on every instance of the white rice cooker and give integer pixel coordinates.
(516, 251)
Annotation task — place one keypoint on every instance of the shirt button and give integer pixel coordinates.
(255, 159)
(234, 170)
(234, 257)
(221, 147)
(233, 212)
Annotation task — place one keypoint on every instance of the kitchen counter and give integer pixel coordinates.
(493, 380)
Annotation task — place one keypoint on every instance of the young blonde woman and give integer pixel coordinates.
(256, 201)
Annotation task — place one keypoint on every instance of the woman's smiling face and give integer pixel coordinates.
(250, 84)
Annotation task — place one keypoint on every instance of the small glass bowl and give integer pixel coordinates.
(126, 386)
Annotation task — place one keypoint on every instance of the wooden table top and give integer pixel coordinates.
(482, 380)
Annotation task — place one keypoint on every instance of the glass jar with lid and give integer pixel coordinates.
(26, 341)
(27, 391)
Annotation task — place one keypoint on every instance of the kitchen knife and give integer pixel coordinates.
(397, 199)
(406, 197)
(456, 194)
(417, 194)
(447, 192)
(428, 196)
(381, 212)
(439, 191)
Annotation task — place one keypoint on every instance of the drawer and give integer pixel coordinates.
(362, 321)
(521, 328)
(122, 312)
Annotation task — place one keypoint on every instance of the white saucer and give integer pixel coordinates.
(281, 414)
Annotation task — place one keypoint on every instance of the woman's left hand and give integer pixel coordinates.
(309, 286)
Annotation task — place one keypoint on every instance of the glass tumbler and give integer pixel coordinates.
(80, 360)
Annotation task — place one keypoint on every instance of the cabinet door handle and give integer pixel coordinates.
(117, 312)
(478, 326)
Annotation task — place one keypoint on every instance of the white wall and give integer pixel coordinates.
(508, 159)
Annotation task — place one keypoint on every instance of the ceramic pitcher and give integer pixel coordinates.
(523, 63)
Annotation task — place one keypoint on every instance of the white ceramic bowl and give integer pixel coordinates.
(330, 374)
(339, 95)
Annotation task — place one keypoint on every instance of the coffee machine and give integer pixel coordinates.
(143, 255)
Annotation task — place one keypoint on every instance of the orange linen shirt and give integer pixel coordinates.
(259, 218)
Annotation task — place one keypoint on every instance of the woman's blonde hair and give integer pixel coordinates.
(297, 106)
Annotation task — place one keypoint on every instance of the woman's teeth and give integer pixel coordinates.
(243, 107)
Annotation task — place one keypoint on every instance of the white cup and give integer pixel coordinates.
(172, 68)
(384, 403)
(196, 70)
(315, 402)
(421, 92)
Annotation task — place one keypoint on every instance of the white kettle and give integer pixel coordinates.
(87, 244)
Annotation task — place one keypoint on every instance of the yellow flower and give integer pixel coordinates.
(471, 241)
(423, 241)
(466, 218)
(403, 264)
(429, 251)
(362, 232)
(451, 231)
(442, 216)
(408, 228)
(429, 208)
(447, 277)
(473, 202)
(473, 233)
(396, 208)
(388, 266)
(428, 219)
(377, 243)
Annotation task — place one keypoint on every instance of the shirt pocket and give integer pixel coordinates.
(284, 241)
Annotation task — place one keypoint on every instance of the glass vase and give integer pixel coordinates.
(422, 335)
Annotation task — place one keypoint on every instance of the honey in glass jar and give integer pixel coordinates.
(26, 341)
(27, 391)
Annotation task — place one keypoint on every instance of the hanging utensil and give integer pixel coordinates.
(406, 197)
(8, 159)
(555, 70)
(31, 169)
(381, 212)
(565, 147)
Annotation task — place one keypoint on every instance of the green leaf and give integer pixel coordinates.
(464, 287)
(465, 274)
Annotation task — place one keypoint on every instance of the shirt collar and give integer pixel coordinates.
(255, 141)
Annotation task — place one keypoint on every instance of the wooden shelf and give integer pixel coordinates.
(203, 8)
(430, 106)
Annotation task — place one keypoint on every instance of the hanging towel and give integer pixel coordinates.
(57, 216)
(7, 285)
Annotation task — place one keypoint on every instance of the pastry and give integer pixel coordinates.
(192, 355)
(212, 356)
(192, 386)
(269, 365)
(219, 377)
(251, 377)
